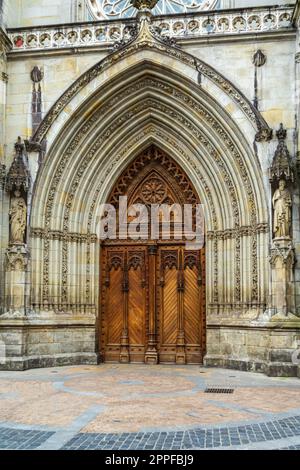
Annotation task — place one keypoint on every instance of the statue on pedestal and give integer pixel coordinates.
(18, 215)
(282, 203)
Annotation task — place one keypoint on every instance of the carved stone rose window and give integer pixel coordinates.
(154, 191)
(114, 9)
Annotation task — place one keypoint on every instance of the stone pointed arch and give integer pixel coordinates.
(148, 93)
(149, 43)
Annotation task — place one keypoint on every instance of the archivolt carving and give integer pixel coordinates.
(150, 103)
(131, 89)
(156, 105)
(173, 52)
(186, 123)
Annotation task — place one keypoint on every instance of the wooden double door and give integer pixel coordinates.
(153, 304)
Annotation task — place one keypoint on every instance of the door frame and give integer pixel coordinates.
(151, 351)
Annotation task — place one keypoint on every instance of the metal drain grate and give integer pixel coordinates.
(218, 390)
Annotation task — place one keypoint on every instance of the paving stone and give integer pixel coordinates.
(16, 439)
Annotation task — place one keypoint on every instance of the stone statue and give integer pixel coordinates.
(18, 214)
(282, 203)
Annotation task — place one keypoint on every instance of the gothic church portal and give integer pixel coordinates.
(182, 104)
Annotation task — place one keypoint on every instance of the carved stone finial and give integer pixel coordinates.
(144, 4)
(281, 167)
(281, 133)
(259, 58)
(19, 146)
(18, 176)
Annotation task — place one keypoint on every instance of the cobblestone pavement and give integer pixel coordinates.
(143, 407)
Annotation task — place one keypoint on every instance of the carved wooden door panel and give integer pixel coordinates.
(153, 294)
(137, 303)
(180, 305)
(124, 302)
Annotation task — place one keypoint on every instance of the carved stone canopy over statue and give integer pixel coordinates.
(18, 215)
(18, 176)
(282, 214)
(282, 165)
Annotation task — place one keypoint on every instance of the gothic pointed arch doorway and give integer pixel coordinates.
(153, 290)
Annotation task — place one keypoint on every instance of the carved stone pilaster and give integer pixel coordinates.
(282, 260)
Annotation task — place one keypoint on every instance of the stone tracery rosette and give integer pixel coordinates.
(117, 9)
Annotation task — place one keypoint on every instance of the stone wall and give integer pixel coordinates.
(267, 348)
(31, 343)
(38, 12)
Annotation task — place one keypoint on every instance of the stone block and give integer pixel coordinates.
(10, 337)
(281, 369)
(280, 355)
